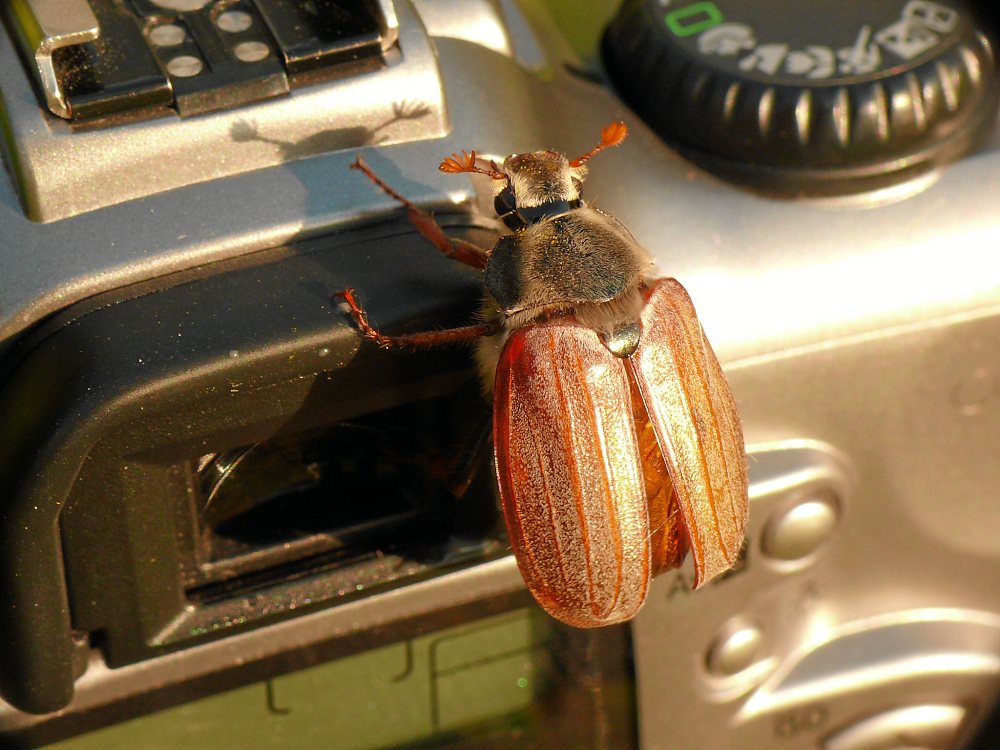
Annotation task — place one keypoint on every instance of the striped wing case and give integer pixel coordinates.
(610, 469)
(570, 476)
(694, 416)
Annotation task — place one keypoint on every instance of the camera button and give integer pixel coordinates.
(167, 35)
(735, 649)
(181, 6)
(251, 51)
(927, 726)
(234, 21)
(800, 530)
(185, 66)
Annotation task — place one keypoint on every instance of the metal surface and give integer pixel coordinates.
(872, 619)
(928, 726)
(388, 24)
(46, 26)
(475, 21)
(861, 337)
(759, 288)
(60, 172)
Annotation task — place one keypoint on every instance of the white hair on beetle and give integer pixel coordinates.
(541, 177)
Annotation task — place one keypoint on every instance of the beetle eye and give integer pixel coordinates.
(504, 201)
(506, 207)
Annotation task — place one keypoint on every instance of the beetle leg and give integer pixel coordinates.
(451, 247)
(416, 340)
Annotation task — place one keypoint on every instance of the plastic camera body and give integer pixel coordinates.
(211, 485)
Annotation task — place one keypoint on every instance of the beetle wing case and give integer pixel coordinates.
(694, 415)
(594, 506)
(570, 476)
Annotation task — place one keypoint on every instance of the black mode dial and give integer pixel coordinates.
(806, 96)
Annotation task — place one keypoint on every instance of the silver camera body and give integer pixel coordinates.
(860, 335)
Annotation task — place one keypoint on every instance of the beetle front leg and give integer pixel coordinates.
(451, 247)
(414, 340)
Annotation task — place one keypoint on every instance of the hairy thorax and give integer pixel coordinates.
(582, 263)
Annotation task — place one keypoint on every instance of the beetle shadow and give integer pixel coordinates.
(336, 139)
(325, 192)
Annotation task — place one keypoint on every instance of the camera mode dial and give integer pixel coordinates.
(806, 96)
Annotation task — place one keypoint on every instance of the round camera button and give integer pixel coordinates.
(799, 531)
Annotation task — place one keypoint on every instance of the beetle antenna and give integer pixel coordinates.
(611, 135)
(467, 163)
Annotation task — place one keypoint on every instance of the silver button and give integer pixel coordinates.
(735, 650)
(181, 5)
(251, 51)
(928, 726)
(234, 21)
(167, 35)
(184, 66)
(800, 530)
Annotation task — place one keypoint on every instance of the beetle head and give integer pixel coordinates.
(538, 184)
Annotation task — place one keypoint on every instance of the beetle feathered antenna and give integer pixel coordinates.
(467, 163)
(611, 135)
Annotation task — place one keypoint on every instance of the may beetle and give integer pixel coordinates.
(617, 441)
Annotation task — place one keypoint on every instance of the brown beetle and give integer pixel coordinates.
(617, 441)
